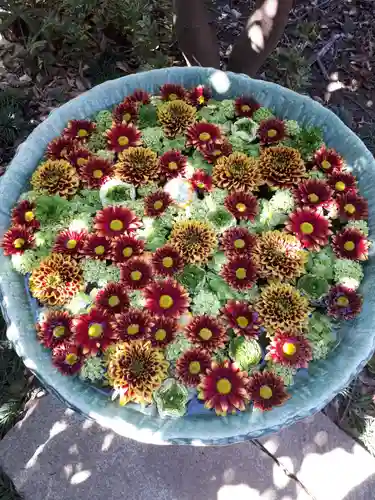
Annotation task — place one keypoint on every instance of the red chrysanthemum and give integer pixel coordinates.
(125, 247)
(79, 129)
(162, 331)
(342, 182)
(352, 207)
(224, 388)
(266, 390)
(55, 328)
(60, 148)
(271, 131)
(328, 160)
(133, 324)
(242, 205)
(112, 299)
(191, 365)
(172, 92)
(115, 221)
(201, 181)
(67, 358)
(167, 261)
(238, 242)
(136, 273)
(16, 240)
(206, 332)
(172, 164)
(215, 150)
(242, 318)
(24, 215)
(140, 97)
(79, 157)
(95, 172)
(245, 106)
(343, 303)
(313, 193)
(97, 247)
(126, 112)
(350, 243)
(289, 349)
(156, 203)
(239, 273)
(199, 96)
(166, 298)
(311, 228)
(93, 331)
(122, 136)
(202, 133)
(71, 242)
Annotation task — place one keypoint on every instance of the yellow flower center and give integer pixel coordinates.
(113, 301)
(326, 164)
(167, 262)
(18, 243)
(239, 243)
(241, 273)
(71, 244)
(204, 136)
(127, 252)
(71, 359)
(272, 133)
(349, 208)
(223, 386)
(82, 133)
(81, 162)
(241, 207)
(289, 348)
(135, 275)
(158, 205)
(200, 185)
(133, 329)
(166, 302)
(29, 216)
(99, 250)
(173, 97)
(265, 392)
(160, 334)
(116, 225)
(340, 186)
(201, 99)
(242, 322)
(205, 334)
(123, 140)
(95, 330)
(172, 165)
(314, 198)
(245, 108)
(349, 246)
(217, 152)
(58, 331)
(306, 228)
(194, 367)
(97, 174)
(342, 301)
(127, 117)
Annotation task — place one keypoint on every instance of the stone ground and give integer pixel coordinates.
(56, 454)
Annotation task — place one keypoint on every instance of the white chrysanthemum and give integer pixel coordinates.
(348, 273)
(282, 201)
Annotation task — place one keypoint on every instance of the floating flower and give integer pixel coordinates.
(224, 388)
(242, 317)
(24, 215)
(266, 390)
(343, 303)
(70, 242)
(79, 129)
(281, 306)
(350, 243)
(199, 96)
(202, 133)
(115, 221)
(67, 358)
(342, 182)
(55, 328)
(123, 136)
(313, 193)
(125, 247)
(16, 240)
(156, 203)
(167, 261)
(171, 399)
(239, 273)
(172, 164)
(290, 349)
(194, 240)
(78, 157)
(279, 255)
(162, 331)
(242, 205)
(311, 228)
(191, 365)
(137, 166)
(215, 150)
(271, 131)
(93, 331)
(172, 92)
(126, 112)
(97, 247)
(140, 96)
(166, 298)
(175, 117)
(55, 177)
(131, 325)
(328, 160)
(112, 299)
(238, 242)
(237, 172)
(57, 279)
(245, 106)
(96, 172)
(201, 181)
(352, 207)
(206, 332)
(136, 273)
(60, 148)
(282, 167)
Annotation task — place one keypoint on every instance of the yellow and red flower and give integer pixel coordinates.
(131, 325)
(93, 331)
(238, 242)
(237, 172)
(214, 150)
(271, 131)
(78, 157)
(342, 182)
(138, 166)
(60, 148)
(140, 96)
(266, 390)
(199, 96)
(224, 388)
(191, 365)
(167, 261)
(136, 273)
(157, 203)
(122, 136)
(95, 172)
(114, 221)
(343, 303)
(239, 273)
(196, 241)
(16, 240)
(242, 205)
(313, 193)
(97, 247)
(241, 316)
(350, 243)
(175, 117)
(67, 358)
(245, 106)
(172, 92)
(125, 247)
(79, 129)
(166, 298)
(162, 331)
(172, 164)
(328, 160)
(281, 167)
(201, 181)
(24, 215)
(311, 228)
(202, 133)
(55, 328)
(70, 242)
(126, 112)
(55, 177)
(290, 349)
(352, 207)
(112, 299)
(206, 332)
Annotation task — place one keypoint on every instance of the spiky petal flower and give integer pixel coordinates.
(126, 112)
(215, 150)
(199, 96)
(57, 279)
(112, 299)
(122, 136)
(206, 332)
(350, 243)
(67, 358)
(166, 298)
(137, 166)
(328, 160)
(224, 388)
(125, 247)
(172, 92)
(70, 242)
(343, 303)
(16, 240)
(238, 242)
(239, 273)
(266, 390)
(290, 349)
(191, 365)
(93, 331)
(311, 228)
(201, 181)
(131, 325)
(55, 177)
(60, 148)
(135, 370)
(97, 247)
(202, 133)
(156, 203)
(245, 106)
(313, 193)
(172, 164)
(162, 331)
(55, 327)
(242, 317)
(136, 273)
(79, 129)
(242, 205)
(78, 157)
(352, 207)
(140, 96)
(167, 261)
(194, 240)
(237, 172)
(281, 306)
(23, 214)
(279, 255)
(342, 182)
(271, 131)
(96, 171)
(175, 117)
(282, 167)
(115, 221)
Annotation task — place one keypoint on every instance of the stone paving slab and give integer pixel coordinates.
(54, 454)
